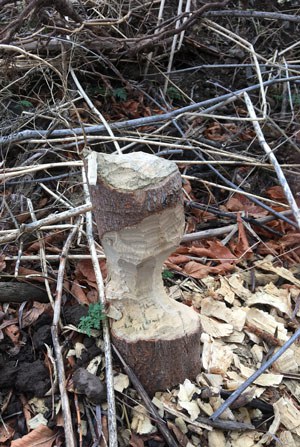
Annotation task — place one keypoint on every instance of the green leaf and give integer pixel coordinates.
(120, 93)
(25, 103)
(93, 319)
(174, 93)
(166, 274)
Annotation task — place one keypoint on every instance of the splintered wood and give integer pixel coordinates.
(139, 213)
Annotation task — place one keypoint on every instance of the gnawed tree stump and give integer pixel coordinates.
(138, 208)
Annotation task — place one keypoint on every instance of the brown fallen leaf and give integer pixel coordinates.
(6, 433)
(34, 312)
(241, 247)
(136, 440)
(197, 270)
(216, 251)
(238, 202)
(85, 270)
(34, 275)
(79, 293)
(41, 436)
(13, 333)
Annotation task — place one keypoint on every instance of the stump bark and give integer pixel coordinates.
(139, 213)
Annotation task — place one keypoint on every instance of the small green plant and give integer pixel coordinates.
(166, 274)
(25, 103)
(174, 93)
(120, 93)
(93, 319)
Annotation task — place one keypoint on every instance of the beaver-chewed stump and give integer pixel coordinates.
(137, 201)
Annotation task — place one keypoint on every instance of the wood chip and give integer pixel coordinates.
(289, 414)
(287, 439)
(248, 439)
(216, 402)
(266, 322)
(215, 328)
(286, 362)
(267, 379)
(216, 438)
(280, 271)
(272, 296)
(294, 387)
(225, 290)
(216, 356)
(236, 282)
(212, 308)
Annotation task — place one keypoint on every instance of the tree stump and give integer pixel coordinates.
(138, 208)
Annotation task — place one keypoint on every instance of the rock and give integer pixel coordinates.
(90, 385)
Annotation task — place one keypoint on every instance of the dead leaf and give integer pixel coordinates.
(197, 270)
(181, 438)
(34, 312)
(42, 436)
(239, 202)
(136, 440)
(85, 270)
(216, 251)
(13, 333)
(54, 237)
(242, 247)
(276, 193)
(177, 259)
(6, 433)
(34, 275)
(2, 263)
(78, 292)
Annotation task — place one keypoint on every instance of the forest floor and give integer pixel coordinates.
(213, 88)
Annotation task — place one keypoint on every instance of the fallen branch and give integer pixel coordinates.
(253, 14)
(52, 218)
(139, 122)
(215, 232)
(17, 292)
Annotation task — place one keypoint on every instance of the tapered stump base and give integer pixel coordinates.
(161, 364)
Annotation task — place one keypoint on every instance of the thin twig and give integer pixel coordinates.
(214, 232)
(112, 424)
(42, 255)
(95, 110)
(253, 14)
(252, 197)
(52, 218)
(261, 139)
(17, 171)
(33, 56)
(243, 43)
(68, 427)
(49, 257)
